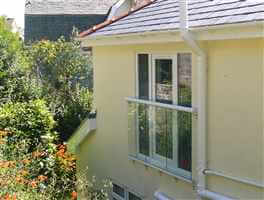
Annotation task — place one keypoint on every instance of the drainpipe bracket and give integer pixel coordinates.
(195, 112)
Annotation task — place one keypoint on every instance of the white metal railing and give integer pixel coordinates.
(233, 178)
(160, 135)
(162, 105)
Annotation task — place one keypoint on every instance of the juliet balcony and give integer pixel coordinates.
(160, 136)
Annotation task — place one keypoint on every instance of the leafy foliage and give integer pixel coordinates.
(29, 121)
(29, 155)
(11, 58)
(61, 71)
(92, 189)
(44, 96)
(10, 45)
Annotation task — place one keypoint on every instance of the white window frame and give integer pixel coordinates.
(160, 159)
(151, 70)
(142, 156)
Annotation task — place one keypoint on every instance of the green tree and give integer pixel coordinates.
(65, 76)
(15, 83)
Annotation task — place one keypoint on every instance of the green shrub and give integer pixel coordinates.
(30, 121)
(30, 160)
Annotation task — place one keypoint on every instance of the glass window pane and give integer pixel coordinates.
(143, 76)
(143, 87)
(132, 196)
(184, 118)
(164, 136)
(185, 140)
(163, 75)
(143, 129)
(119, 190)
(185, 79)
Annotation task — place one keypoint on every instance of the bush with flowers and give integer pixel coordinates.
(31, 162)
(34, 164)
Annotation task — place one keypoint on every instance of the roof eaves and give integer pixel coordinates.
(113, 20)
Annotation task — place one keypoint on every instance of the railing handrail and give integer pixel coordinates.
(162, 105)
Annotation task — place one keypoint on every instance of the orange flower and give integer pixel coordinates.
(26, 161)
(74, 195)
(42, 178)
(2, 141)
(37, 154)
(19, 179)
(33, 184)
(7, 164)
(60, 153)
(11, 164)
(3, 133)
(62, 146)
(9, 197)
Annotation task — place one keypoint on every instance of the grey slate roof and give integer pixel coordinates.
(163, 15)
(68, 7)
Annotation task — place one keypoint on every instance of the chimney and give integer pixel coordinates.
(125, 6)
(138, 3)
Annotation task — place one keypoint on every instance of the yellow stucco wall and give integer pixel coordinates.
(235, 113)
(235, 144)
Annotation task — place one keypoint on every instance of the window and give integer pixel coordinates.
(143, 76)
(132, 196)
(163, 135)
(120, 193)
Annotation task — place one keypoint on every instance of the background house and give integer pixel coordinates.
(50, 19)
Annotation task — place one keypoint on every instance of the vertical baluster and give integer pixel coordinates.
(152, 129)
(166, 138)
(145, 129)
(136, 132)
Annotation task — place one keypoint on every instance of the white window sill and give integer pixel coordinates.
(132, 158)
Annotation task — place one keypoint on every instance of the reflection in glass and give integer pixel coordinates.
(163, 81)
(184, 119)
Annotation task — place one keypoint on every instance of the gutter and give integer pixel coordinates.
(176, 31)
(202, 102)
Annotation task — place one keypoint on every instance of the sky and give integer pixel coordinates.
(13, 9)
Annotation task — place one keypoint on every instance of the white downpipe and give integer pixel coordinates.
(202, 93)
(202, 99)
(213, 195)
(161, 196)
